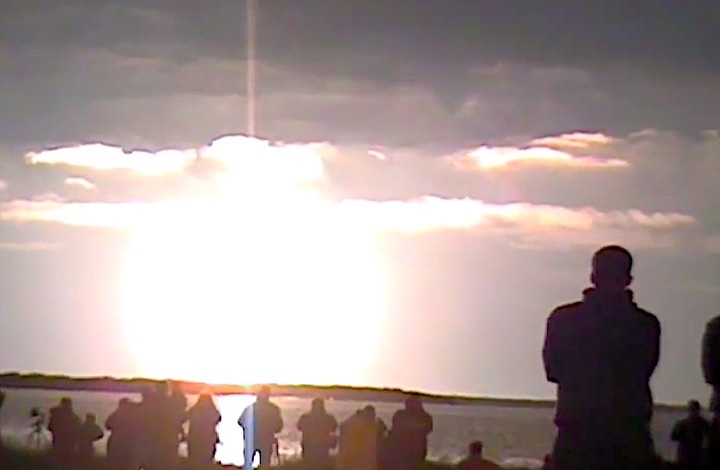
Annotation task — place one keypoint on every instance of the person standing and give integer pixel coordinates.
(318, 428)
(690, 434)
(261, 422)
(202, 437)
(601, 352)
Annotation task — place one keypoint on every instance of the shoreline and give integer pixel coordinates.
(33, 381)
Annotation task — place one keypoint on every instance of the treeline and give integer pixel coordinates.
(329, 392)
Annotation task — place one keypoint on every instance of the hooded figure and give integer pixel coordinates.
(318, 429)
(123, 426)
(202, 438)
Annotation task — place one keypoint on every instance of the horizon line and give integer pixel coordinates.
(340, 387)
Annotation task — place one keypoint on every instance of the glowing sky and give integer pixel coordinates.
(424, 189)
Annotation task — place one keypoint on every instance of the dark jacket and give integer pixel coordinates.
(711, 360)
(711, 352)
(602, 352)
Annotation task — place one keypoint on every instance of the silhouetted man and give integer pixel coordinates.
(361, 434)
(124, 427)
(601, 352)
(475, 459)
(202, 437)
(409, 433)
(711, 373)
(88, 434)
(260, 421)
(711, 360)
(64, 426)
(2, 402)
(318, 428)
(690, 434)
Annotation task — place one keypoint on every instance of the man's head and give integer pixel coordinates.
(476, 449)
(318, 405)
(694, 408)
(263, 394)
(90, 418)
(413, 403)
(611, 269)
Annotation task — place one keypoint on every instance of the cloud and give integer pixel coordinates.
(94, 214)
(3, 185)
(263, 178)
(529, 223)
(105, 157)
(79, 182)
(239, 154)
(574, 140)
(509, 158)
(28, 246)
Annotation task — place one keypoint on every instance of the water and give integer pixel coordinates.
(508, 432)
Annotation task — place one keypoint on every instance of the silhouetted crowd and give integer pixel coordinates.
(600, 351)
(143, 435)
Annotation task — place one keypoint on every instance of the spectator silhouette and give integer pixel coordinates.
(150, 427)
(171, 410)
(690, 435)
(711, 361)
(361, 435)
(260, 421)
(407, 442)
(88, 434)
(475, 459)
(64, 427)
(601, 352)
(711, 373)
(318, 428)
(202, 437)
(122, 424)
(2, 402)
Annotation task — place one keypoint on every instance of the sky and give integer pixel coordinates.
(429, 179)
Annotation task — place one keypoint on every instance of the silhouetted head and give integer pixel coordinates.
(90, 418)
(66, 402)
(176, 389)
(318, 405)
(162, 389)
(611, 269)
(413, 403)
(368, 412)
(694, 408)
(205, 398)
(123, 402)
(263, 395)
(475, 448)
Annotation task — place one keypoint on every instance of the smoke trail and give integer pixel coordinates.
(251, 19)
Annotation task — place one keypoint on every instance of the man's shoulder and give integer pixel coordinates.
(714, 323)
(649, 318)
(566, 311)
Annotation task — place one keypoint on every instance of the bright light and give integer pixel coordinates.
(254, 285)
